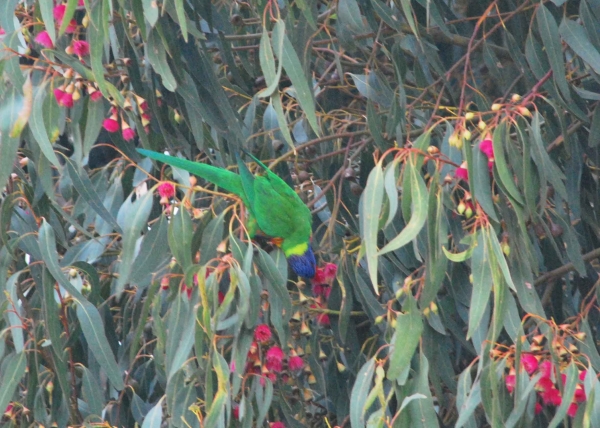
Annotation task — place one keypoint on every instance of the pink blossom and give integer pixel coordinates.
(462, 173)
(510, 382)
(43, 38)
(128, 134)
(166, 190)
(262, 333)
(319, 277)
(546, 368)
(491, 165)
(236, 412)
(321, 290)
(529, 362)
(110, 124)
(582, 375)
(277, 425)
(81, 48)
(551, 397)
(295, 363)
(538, 408)
(572, 410)
(80, 3)
(487, 148)
(95, 95)
(2, 31)
(330, 270)
(545, 384)
(274, 359)
(66, 100)
(580, 396)
(59, 11)
(59, 94)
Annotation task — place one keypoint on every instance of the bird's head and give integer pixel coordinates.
(304, 264)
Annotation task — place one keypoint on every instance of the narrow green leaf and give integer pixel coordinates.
(501, 166)
(182, 18)
(157, 56)
(8, 153)
(211, 238)
(568, 392)
(150, 11)
(154, 417)
(46, 8)
(360, 392)
(409, 327)
(301, 85)
(9, 380)
(281, 120)
(13, 312)
(37, 126)
(495, 245)
(407, 9)
(574, 35)
(180, 328)
(371, 201)
(482, 283)
(92, 393)
(86, 190)
(420, 202)
(180, 239)
(68, 16)
(391, 190)
(549, 32)
(136, 216)
(349, 15)
(93, 330)
(267, 59)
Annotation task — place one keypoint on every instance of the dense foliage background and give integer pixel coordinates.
(449, 149)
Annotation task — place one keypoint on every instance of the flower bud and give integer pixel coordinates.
(481, 125)
(524, 111)
(515, 98)
(461, 208)
(496, 107)
(469, 115)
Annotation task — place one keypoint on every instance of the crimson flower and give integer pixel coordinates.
(580, 396)
(330, 270)
(262, 333)
(572, 410)
(529, 362)
(128, 133)
(538, 408)
(510, 382)
(81, 48)
(110, 124)
(487, 148)
(43, 38)
(166, 190)
(95, 95)
(295, 363)
(551, 397)
(461, 172)
(277, 425)
(274, 359)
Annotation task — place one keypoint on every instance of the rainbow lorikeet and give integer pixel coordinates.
(273, 206)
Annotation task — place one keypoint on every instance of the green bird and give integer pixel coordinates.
(273, 206)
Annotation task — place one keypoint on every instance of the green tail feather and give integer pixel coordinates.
(222, 178)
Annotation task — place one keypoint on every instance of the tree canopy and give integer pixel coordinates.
(449, 152)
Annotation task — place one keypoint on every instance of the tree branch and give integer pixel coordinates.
(594, 254)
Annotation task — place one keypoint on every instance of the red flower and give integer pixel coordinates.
(319, 277)
(274, 359)
(43, 38)
(80, 3)
(487, 148)
(166, 190)
(295, 363)
(510, 382)
(2, 31)
(529, 362)
(321, 290)
(66, 100)
(59, 12)
(59, 94)
(546, 368)
(128, 133)
(110, 124)
(462, 173)
(262, 333)
(221, 297)
(580, 396)
(544, 384)
(551, 397)
(236, 412)
(277, 425)
(582, 375)
(95, 95)
(572, 410)
(81, 48)
(491, 165)
(538, 408)
(330, 270)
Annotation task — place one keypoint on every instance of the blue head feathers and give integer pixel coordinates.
(304, 265)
